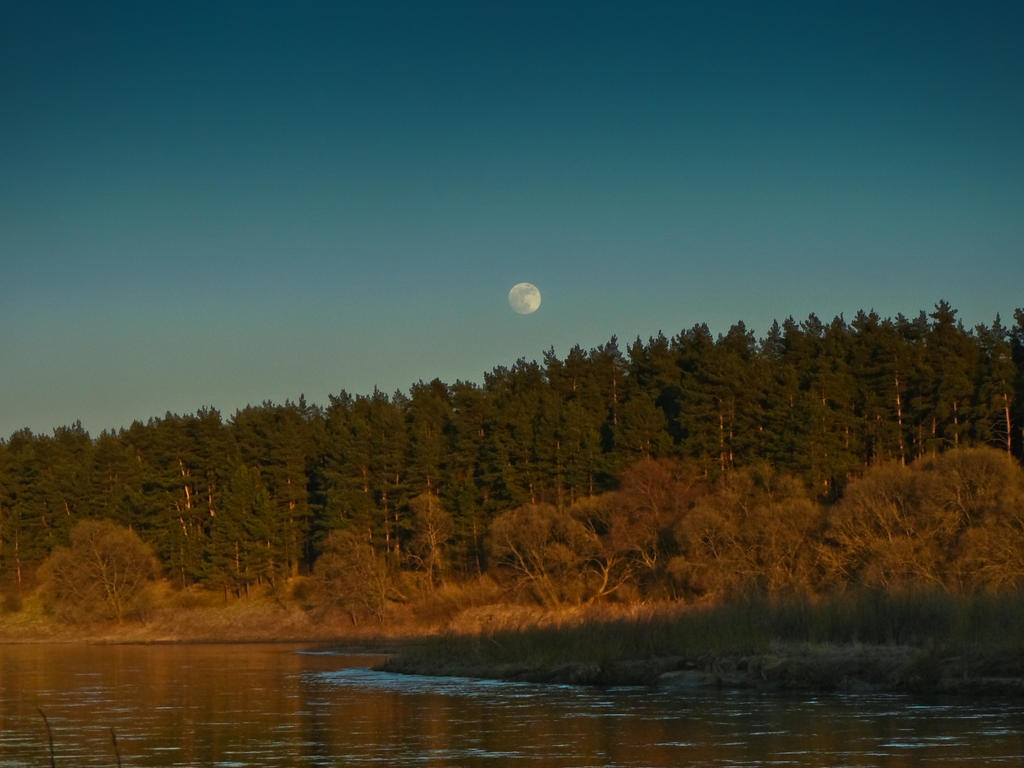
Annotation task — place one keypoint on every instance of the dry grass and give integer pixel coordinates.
(195, 615)
(467, 630)
(909, 641)
(189, 616)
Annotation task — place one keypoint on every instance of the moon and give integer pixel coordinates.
(524, 298)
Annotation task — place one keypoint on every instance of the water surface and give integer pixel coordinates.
(288, 705)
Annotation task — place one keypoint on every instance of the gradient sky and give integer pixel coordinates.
(220, 203)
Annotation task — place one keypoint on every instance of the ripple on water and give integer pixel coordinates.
(171, 716)
(369, 679)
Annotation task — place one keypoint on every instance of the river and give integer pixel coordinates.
(289, 705)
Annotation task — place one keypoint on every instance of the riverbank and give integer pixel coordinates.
(199, 617)
(845, 668)
(288, 613)
(926, 643)
(196, 615)
(869, 642)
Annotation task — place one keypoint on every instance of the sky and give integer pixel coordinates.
(215, 204)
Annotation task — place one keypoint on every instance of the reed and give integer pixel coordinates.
(53, 752)
(49, 736)
(117, 751)
(984, 627)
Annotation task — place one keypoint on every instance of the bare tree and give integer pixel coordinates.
(545, 549)
(434, 528)
(354, 576)
(101, 575)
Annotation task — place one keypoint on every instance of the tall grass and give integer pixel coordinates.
(931, 621)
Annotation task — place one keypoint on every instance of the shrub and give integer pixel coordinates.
(102, 575)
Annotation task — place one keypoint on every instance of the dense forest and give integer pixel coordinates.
(877, 451)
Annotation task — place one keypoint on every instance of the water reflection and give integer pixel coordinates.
(275, 705)
(575, 726)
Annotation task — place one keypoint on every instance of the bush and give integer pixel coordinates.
(102, 575)
(355, 577)
(11, 602)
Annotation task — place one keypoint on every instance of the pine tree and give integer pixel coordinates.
(993, 418)
(277, 439)
(29, 529)
(472, 419)
(1017, 355)
(953, 359)
(701, 428)
(429, 417)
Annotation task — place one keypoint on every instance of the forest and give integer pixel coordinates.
(877, 452)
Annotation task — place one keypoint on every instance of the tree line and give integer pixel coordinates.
(632, 469)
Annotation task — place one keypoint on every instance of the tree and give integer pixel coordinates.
(433, 528)
(117, 480)
(1017, 407)
(953, 356)
(724, 386)
(354, 576)
(642, 427)
(996, 387)
(654, 370)
(608, 373)
(428, 417)
(900, 527)
(244, 538)
(544, 548)
(981, 492)
(755, 531)
(653, 496)
(277, 440)
(101, 575)
(31, 526)
(610, 564)
(174, 508)
(880, 391)
(472, 420)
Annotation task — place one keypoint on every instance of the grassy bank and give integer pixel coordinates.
(868, 640)
(919, 642)
(291, 611)
(201, 616)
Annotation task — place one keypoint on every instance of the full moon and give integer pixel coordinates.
(524, 298)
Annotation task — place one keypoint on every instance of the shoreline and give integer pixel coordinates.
(234, 623)
(848, 668)
(848, 644)
(826, 668)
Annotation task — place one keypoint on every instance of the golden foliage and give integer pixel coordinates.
(102, 575)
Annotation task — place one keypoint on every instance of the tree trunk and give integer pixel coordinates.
(1006, 417)
(899, 422)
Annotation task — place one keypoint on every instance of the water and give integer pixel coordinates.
(282, 705)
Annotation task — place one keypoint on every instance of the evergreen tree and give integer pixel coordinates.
(837, 449)
(952, 357)
(701, 419)
(345, 466)
(878, 369)
(472, 420)
(654, 368)
(29, 533)
(511, 472)
(1017, 355)
(429, 416)
(256, 499)
(117, 481)
(245, 540)
(608, 371)
(369, 439)
(278, 440)
(993, 418)
(642, 430)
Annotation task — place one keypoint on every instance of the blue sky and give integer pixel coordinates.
(219, 203)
